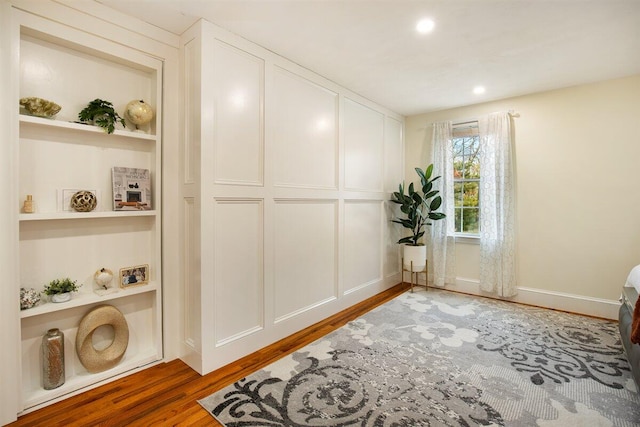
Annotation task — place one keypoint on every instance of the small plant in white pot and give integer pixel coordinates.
(59, 290)
(101, 113)
(419, 208)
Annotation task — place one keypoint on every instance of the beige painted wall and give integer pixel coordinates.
(578, 203)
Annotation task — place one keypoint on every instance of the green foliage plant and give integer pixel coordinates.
(418, 206)
(101, 113)
(61, 286)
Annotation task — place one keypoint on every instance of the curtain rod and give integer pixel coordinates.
(468, 121)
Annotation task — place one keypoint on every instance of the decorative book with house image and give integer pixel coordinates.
(131, 189)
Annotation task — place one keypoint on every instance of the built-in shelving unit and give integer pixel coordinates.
(81, 127)
(71, 68)
(86, 299)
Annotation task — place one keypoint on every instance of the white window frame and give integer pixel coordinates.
(460, 130)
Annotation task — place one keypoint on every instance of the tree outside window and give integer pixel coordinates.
(466, 183)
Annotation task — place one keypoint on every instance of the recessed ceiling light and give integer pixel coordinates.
(479, 90)
(425, 26)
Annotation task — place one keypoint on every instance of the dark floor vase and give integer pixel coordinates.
(53, 359)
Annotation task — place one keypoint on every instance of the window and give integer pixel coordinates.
(466, 178)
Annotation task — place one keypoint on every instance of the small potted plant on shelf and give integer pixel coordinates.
(60, 289)
(101, 113)
(419, 207)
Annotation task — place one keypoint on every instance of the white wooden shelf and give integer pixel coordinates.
(85, 298)
(79, 381)
(53, 216)
(82, 127)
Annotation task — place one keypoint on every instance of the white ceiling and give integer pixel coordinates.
(512, 47)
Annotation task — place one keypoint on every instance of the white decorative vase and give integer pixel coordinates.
(416, 255)
(61, 297)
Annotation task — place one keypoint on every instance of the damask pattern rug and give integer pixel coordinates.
(438, 358)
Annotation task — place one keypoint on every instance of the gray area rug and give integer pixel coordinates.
(437, 358)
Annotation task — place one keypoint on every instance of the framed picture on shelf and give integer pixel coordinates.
(134, 276)
(131, 189)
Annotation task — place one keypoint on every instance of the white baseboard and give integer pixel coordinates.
(596, 307)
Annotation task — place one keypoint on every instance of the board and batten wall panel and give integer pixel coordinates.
(191, 329)
(363, 243)
(238, 143)
(305, 251)
(364, 141)
(238, 272)
(393, 165)
(304, 132)
(290, 192)
(190, 149)
(393, 175)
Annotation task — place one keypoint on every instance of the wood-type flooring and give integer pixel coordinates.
(166, 394)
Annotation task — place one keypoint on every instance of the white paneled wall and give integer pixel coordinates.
(363, 141)
(362, 243)
(306, 254)
(393, 160)
(238, 269)
(238, 79)
(286, 182)
(304, 132)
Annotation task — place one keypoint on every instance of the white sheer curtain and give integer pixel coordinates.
(497, 201)
(442, 250)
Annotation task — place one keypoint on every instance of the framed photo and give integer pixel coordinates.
(134, 276)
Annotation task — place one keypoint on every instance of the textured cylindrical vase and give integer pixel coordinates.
(53, 359)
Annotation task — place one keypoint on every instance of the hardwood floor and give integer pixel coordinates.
(167, 394)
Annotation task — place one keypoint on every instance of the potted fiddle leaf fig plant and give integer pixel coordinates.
(419, 208)
(101, 113)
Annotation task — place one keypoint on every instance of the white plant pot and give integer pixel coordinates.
(61, 297)
(415, 254)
